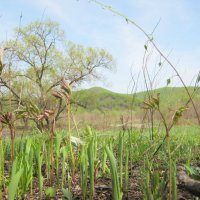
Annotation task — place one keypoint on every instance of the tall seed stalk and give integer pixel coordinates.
(154, 102)
(65, 94)
(50, 115)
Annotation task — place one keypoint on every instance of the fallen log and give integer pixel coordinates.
(187, 183)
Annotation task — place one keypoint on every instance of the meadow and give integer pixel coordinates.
(101, 165)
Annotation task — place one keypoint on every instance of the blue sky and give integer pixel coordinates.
(86, 23)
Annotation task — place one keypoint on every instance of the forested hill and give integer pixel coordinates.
(103, 99)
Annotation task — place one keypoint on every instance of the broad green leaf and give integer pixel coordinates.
(50, 192)
(15, 178)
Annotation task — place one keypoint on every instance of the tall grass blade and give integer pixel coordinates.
(116, 191)
(15, 178)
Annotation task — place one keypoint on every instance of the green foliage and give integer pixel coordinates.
(84, 170)
(154, 176)
(39, 159)
(91, 159)
(104, 100)
(57, 150)
(120, 153)
(64, 153)
(174, 182)
(26, 162)
(67, 194)
(192, 172)
(50, 192)
(116, 190)
(126, 169)
(15, 178)
(154, 185)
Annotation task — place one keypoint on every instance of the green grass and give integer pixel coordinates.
(90, 156)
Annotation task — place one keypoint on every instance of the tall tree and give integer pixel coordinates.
(40, 57)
